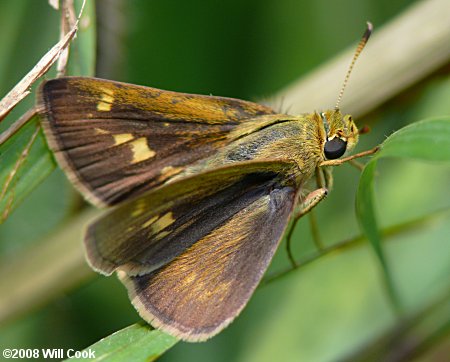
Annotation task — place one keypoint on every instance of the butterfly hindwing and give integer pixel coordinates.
(203, 289)
(118, 140)
(143, 234)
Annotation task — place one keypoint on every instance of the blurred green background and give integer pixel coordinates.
(247, 49)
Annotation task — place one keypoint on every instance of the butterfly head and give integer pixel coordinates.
(340, 130)
(341, 134)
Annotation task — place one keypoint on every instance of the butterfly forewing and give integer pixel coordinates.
(118, 140)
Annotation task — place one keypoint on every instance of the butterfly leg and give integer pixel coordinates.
(324, 179)
(349, 158)
(309, 202)
(356, 164)
(315, 230)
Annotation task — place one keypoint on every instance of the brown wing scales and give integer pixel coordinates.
(201, 291)
(118, 140)
(151, 230)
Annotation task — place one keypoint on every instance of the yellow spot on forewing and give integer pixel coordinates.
(106, 101)
(103, 106)
(100, 131)
(122, 138)
(163, 222)
(150, 221)
(167, 169)
(140, 150)
(140, 208)
(161, 235)
(137, 212)
(170, 171)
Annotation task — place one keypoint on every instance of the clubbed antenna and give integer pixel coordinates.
(358, 51)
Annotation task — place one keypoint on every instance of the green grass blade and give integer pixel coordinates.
(83, 48)
(420, 332)
(134, 343)
(25, 158)
(26, 161)
(427, 140)
(12, 14)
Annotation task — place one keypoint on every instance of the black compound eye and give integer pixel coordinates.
(335, 148)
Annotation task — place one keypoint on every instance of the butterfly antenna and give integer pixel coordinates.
(358, 51)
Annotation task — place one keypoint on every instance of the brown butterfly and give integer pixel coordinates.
(202, 189)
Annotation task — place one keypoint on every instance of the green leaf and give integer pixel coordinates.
(427, 140)
(26, 161)
(365, 211)
(134, 343)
